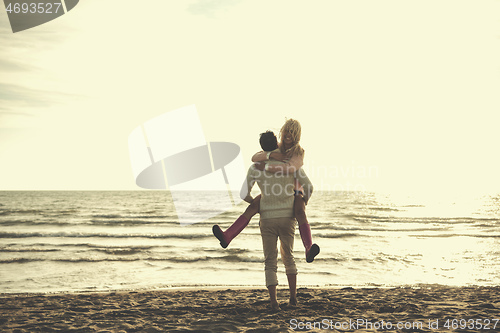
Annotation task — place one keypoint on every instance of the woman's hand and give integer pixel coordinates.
(278, 156)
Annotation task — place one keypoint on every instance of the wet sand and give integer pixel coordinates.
(425, 309)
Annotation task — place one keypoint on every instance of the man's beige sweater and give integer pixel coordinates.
(276, 190)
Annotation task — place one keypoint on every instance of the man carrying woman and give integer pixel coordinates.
(291, 153)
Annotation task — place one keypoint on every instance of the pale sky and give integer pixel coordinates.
(392, 95)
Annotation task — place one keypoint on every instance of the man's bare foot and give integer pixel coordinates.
(293, 301)
(275, 307)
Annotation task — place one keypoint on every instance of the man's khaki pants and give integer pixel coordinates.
(270, 230)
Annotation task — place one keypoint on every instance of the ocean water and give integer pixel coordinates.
(71, 241)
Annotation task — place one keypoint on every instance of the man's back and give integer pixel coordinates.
(277, 193)
(277, 190)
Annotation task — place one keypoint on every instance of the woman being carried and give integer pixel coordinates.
(290, 152)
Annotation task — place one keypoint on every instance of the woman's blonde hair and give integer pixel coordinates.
(292, 126)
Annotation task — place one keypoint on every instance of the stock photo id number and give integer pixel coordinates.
(24, 15)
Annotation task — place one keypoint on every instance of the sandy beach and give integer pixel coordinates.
(424, 309)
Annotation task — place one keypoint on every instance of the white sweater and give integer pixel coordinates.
(276, 190)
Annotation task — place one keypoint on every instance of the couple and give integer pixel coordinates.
(285, 190)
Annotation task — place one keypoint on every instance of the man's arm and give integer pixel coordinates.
(306, 184)
(246, 188)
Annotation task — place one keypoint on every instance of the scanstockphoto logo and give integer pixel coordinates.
(170, 152)
(27, 14)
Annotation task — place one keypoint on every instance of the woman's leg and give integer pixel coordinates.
(225, 237)
(253, 208)
(299, 208)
